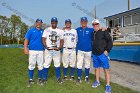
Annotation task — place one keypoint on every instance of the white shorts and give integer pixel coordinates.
(69, 57)
(36, 57)
(52, 55)
(83, 57)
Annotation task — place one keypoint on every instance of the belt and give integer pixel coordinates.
(69, 48)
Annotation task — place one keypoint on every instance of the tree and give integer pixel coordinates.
(16, 21)
(23, 29)
(4, 23)
(12, 29)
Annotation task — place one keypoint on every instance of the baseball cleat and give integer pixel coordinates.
(86, 80)
(59, 81)
(72, 78)
(78, 81)
(65, 78)
(96, 84)
(40, 82)
(31, 82)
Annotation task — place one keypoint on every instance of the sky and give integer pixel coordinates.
(64, 9)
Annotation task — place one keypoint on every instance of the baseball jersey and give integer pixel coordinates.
(84, 39)
(34, 36)
(49, 32)
(70, 38)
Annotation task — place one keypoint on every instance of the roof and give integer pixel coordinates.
(136, 10)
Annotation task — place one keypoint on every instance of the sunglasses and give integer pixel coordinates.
(95, 24)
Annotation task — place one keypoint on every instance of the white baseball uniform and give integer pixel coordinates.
(52, 54)
(69, 51)
(83, 57)
(35, 56)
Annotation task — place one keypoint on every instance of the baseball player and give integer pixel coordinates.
(84, 47)
(69, 51)
(102, 44)
(53, 41)
(33, 38)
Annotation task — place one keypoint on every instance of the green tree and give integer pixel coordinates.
(16, 21)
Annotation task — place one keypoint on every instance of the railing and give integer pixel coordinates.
(129, 37)
(128, 34)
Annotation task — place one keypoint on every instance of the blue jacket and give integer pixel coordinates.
(84, 39)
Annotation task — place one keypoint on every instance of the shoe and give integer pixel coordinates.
(72, 78)
(40, 82)
(96, 84)
(78, 81)
(31, 82)
(108, 89)
(44, 81)
(86, 80)
(59, 81)
(65, 78)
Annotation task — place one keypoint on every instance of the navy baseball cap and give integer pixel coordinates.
(67, 20)
(37, 20)
(54, 19)
(84, 19)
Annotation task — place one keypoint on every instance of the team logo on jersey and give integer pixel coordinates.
(87, 32)
(72, 39)
(53, 37)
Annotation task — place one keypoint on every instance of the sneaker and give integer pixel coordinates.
(72, 78)
(31, 82)
(59, 81)
(96, 84)
(78, 81)
(108, 89)
(86, 80)
(65, 78)
(40, 82)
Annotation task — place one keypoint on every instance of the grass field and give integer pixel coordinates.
(13, 78)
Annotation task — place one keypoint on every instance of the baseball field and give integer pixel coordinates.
(14, 78)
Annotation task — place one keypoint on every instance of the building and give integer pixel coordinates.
(128, 21)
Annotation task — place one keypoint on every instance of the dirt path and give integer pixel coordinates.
(124, 74)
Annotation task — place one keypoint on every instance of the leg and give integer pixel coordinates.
(97, 74)
(32, 63)
(47, 63)
(40, 61)
(105, 64)
(107, 76)
(80, 57)
(96, 65)
(72, 62)
(65, 61)
(56, 59)
(31, 67)
(87, 60)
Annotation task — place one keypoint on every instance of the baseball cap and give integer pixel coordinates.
(54, 19)
(37, 20)
(84, 19)
(96, 21)
(67, 20)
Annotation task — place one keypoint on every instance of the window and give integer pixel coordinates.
(117, 22)
(136, 18)
(127, 20)
(111, 23)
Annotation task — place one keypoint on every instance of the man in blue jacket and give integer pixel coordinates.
(84, 47)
